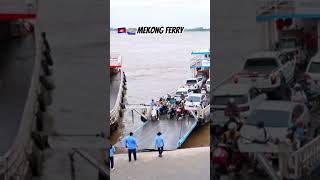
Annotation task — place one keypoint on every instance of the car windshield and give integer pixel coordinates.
(271, 118)
(257, 64)
(178, 93)
(314, 67)
(287, 43)
(193, 99)
(191, 81)
(223, 100)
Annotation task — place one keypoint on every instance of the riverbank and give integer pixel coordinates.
(173, 165)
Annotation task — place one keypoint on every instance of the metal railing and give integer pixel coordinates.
(114, 113)
(16, 157)
(307, 158)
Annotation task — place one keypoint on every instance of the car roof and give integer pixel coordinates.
(182, 89)
(276, 105)
(315, 58)
(264, 54)
(232, 89)
(196, 94)
(191, 79)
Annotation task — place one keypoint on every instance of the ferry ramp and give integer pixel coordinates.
(16, 69)
(174, 132)
(115, 81)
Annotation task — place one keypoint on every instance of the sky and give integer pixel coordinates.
(135, 13)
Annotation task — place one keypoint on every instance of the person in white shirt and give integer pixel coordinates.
(298, 94)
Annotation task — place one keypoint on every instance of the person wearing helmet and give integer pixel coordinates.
(232, 110)
(298, 94)
(231, 136)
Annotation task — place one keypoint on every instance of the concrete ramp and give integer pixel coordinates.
(175, 132)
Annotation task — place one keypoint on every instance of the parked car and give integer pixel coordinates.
(194, 101)
(244, 95)
(267, 70)
(276, 116)
(194, 84)
(208, 85)
(312, 75)
(180, 91)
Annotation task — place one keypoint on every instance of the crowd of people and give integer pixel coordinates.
(131, 144)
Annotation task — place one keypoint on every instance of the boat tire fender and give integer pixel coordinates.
(47, 83)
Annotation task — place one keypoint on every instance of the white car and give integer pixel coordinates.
(208, 85)
(267, 70)
(245, 96)
(194, 101)
(179, 92)
(276, 116)
(194, 84)
(312, 75)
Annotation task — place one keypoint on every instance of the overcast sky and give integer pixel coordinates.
(134, 13)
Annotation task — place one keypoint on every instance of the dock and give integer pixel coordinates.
(173, 165)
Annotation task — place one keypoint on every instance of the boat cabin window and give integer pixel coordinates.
(260, 63)
(193, 81)
(314, 67)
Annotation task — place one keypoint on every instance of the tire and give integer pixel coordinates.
(35, 164)
(47, 83)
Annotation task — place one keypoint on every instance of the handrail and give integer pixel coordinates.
(307, 157)
(114, 113)
(16, 154)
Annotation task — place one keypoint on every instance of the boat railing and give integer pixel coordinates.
(307, 158)
(17, 155)
(115, 112)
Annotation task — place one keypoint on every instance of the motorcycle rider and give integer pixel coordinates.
(298, 95)
(232, 109)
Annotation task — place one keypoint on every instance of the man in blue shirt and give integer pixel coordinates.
(159, 143)
(131, 144)
(112, 150)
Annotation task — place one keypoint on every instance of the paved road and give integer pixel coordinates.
(115, 81)
(16, 68)
(187, 164)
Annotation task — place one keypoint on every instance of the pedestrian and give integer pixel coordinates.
(131, 144)
(152, 104)
(112, 150)
(159, 143)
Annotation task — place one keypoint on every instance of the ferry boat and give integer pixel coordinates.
(115, 63)
(200, 64)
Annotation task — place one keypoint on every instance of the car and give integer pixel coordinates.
(312, 74)
(276, 116)
(180, 91)
(267, 70)
(245, 96)
(193, 84)
(194, 101)
(208, 85)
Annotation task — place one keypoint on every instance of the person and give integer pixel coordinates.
(232, 120)
(299, 134)
(152, 104)
(262, 135)
(131, 144)
(204, 102)
(232, 110)
(159, 143)
(112, 150)
(231, 136)
(154, 113)
(298, 94)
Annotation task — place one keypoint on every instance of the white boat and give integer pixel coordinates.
(115, 63)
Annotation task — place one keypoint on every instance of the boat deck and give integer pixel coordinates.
(16, 68)
(174, 132)
(115, 80)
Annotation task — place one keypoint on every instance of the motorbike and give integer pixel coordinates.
(180, 113)
(225, 163)
(154, 114)
(171, 112)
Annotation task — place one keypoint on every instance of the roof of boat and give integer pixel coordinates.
(205, 51)
(232, 89)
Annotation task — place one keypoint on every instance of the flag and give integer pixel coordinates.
(131, 31)
(122, 30)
